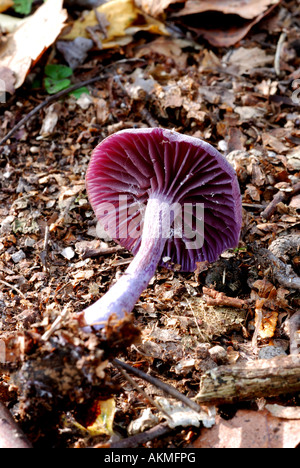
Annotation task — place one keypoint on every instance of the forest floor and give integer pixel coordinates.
(63, 386)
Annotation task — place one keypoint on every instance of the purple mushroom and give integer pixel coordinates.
(170, 199)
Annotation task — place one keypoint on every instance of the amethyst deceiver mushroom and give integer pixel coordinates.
(151, 188)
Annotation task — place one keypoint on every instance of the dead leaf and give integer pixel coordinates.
(155, 7)
(75, 52)
(251, 429)
(247, 9)
(285, 412)
(245, 60)
(273, 140)
(229, 33)
(268, 325)
(169, 47)
(32, 38)
(51, 119)
(5, 4)
(8, 78)
(120, 16)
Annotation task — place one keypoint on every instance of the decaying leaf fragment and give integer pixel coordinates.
(32, 38)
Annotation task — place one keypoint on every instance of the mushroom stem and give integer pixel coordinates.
(123, 295)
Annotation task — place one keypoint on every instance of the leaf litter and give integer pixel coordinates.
(238, 310)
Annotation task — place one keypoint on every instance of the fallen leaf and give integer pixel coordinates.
(251, 429)
(120, 16)
(247, 9)
(268, 325)
(155, 7)
(228, 33)
(146, 420)
(75, 52)
(245, 60)
(51, 119)
(5, 4)
(103, 423)
(8, 80)
(9, 23)
(32, 38)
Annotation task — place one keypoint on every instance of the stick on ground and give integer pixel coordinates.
(11, 435)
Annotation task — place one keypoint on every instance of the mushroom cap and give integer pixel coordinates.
(133, 165)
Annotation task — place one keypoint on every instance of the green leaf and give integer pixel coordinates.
(58, 72)
(54, 86)
(78, 92)
(23, 6)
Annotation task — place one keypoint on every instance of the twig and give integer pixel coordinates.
(158, 383)
(136, 440)
(63, 214)
(278, 198)
(258, 322)
(140, 390)
(94, 253)
(56, 324)
(271, 207)
(62, 93)
(251, 379)
(195, 318)
(11, 435)
(278, 52)
(11, 286)
(217, 298)
(294, 332)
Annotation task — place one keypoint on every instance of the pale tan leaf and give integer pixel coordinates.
(155, 7)
(32, 38)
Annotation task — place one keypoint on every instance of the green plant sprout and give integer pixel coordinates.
(57, 78)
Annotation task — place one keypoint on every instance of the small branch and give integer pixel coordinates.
(158, 383)
(278, 53)
(136, 440)
(142, 392)
(11, 286)
(94, 253)
(252, 379)
(278, 198)
(216, 298)
(11, 435)
(294, 332)
(57, 323)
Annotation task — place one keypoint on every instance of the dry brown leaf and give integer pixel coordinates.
(247, 59)
(229, 34)
(247, 9)
(120, 16)
(32, 38)
(155, 7)
(251, 429)
(5, 4)
(8, 80)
